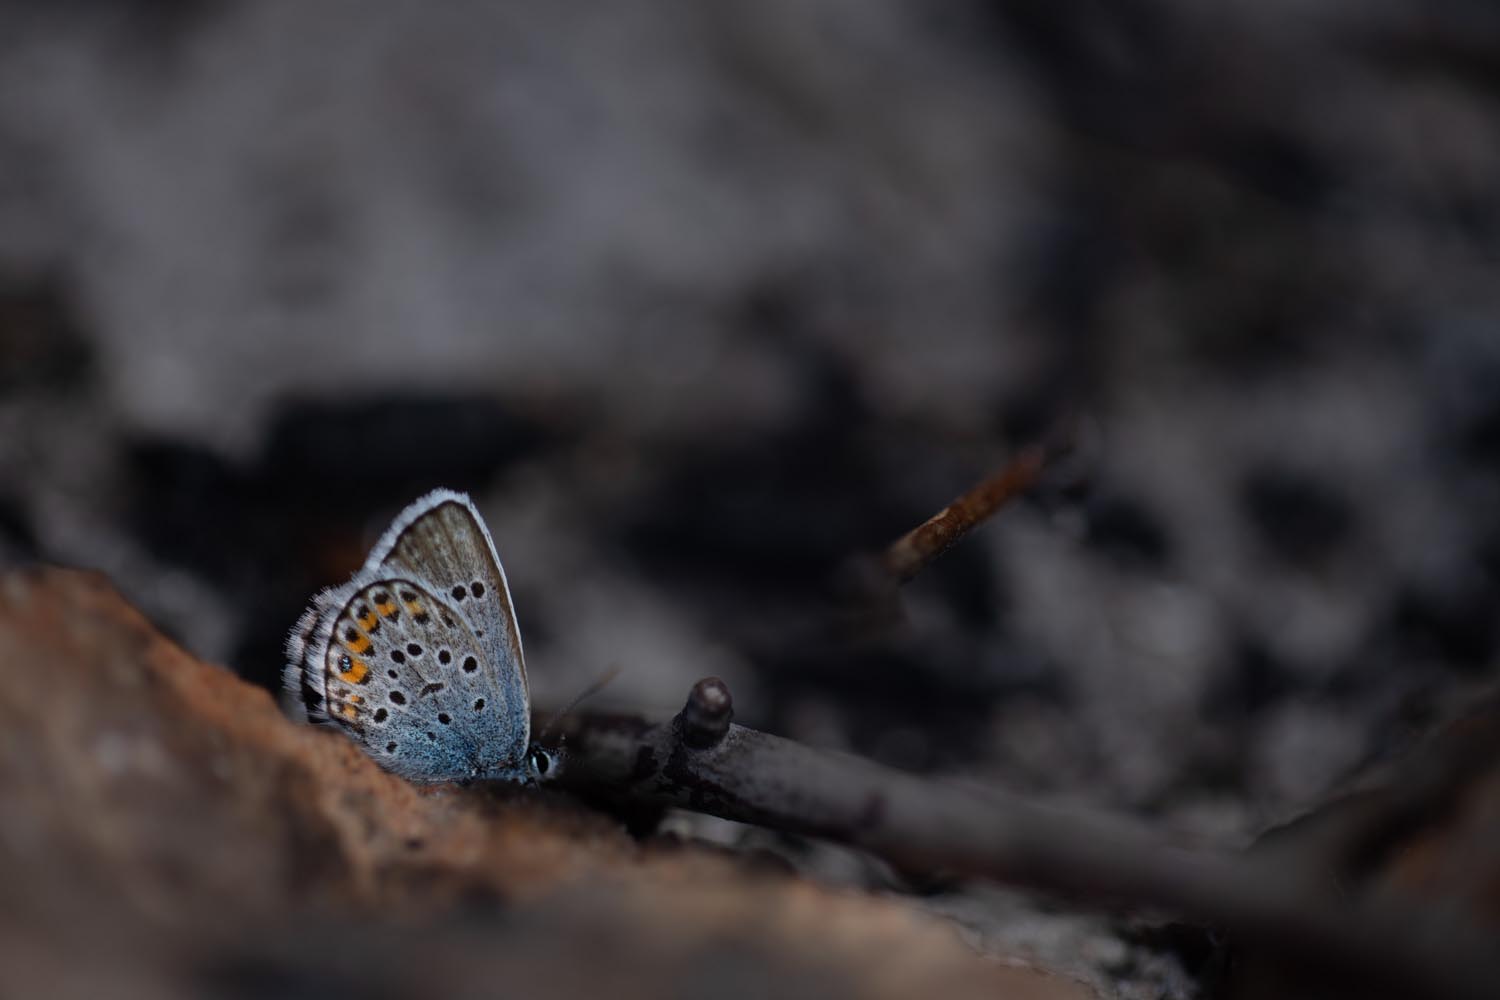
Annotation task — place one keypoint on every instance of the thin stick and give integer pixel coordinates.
(912, 552)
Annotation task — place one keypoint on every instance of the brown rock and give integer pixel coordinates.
(165, 831)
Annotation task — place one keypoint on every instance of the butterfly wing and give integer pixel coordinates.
(419, 656)
(442, 539)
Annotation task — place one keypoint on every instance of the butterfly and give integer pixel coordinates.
(418, 657)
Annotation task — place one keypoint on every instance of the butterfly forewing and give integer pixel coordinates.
(449, 547)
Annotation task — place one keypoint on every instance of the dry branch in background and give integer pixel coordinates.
(908, 555)
(869, 585)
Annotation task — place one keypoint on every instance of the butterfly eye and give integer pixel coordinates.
(540, 760)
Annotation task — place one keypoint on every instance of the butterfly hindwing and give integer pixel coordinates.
(402, 675)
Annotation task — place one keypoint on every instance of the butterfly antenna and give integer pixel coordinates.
(588, 692)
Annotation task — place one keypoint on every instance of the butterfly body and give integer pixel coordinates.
(418, 657)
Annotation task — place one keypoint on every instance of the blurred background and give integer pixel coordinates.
(701, 300)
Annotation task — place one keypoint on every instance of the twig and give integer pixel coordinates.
(912, 552)
(701, 761)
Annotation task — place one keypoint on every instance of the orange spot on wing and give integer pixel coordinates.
(356, 672)
(414, 607)
(369, 621)
(386, 610)
(348, 711)
(360, 645)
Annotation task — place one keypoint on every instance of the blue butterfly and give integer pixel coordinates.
(418, 657)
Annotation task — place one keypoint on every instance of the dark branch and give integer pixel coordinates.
(700, 761)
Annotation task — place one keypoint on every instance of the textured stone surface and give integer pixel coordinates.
(164, 830)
